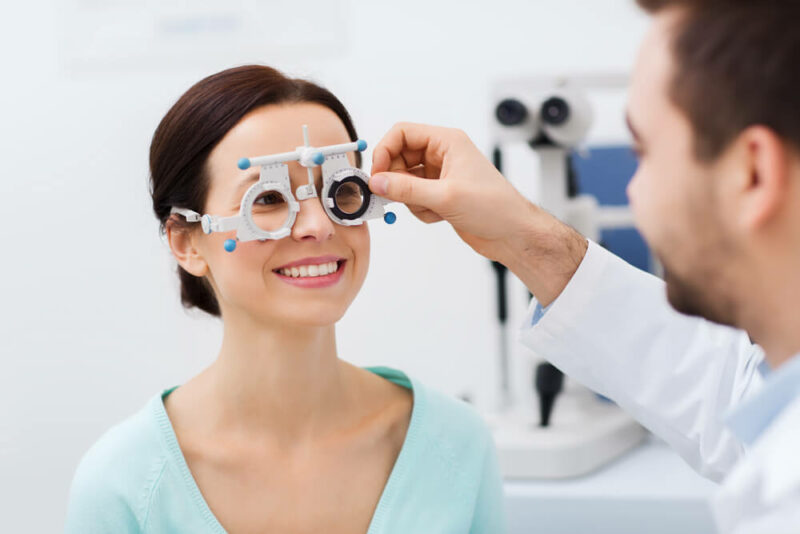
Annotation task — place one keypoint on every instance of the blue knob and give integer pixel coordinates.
(230, 245)
(362, 145)
(244, 163)
(389, 217)
(319, 158)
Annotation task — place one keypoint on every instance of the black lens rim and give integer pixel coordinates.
(366, 195)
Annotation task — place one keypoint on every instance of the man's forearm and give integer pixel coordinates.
(544, 253)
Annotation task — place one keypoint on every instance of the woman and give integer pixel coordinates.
(278, 434)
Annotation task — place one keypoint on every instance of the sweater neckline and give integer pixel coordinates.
(390, 490)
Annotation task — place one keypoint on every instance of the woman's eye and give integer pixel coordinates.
(269, 198)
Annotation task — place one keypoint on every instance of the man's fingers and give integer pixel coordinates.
(419, 171)
(406, 188)
(407, 160)
(425, 215)
(411, 144)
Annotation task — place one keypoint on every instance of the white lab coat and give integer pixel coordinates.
(613, 330)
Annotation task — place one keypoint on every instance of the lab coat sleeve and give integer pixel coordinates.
(613, 330)
(785, 519)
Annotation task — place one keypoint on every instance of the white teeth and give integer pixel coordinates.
(308, 271)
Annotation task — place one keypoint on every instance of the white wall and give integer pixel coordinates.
(91, 324)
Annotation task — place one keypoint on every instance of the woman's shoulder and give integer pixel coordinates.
(442, 420)
(118, 472)
(451, 419)
(448, 467)
(131, 438)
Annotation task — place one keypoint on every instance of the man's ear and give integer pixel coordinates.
(182, 242)
(766, 189)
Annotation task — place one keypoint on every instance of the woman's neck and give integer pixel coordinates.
(285, 380)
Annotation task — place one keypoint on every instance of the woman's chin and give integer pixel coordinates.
(309, 319)
(318, 322)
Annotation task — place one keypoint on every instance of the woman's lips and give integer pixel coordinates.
(316, 260)
(312, 282)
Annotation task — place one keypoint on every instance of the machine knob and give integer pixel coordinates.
(549, 381)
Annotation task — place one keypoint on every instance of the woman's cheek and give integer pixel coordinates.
(247, 264)
(364, 239)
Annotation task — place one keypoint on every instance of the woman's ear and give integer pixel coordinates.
(182, 242)
(767, 188)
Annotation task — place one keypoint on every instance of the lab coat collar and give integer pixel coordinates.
(749, 420)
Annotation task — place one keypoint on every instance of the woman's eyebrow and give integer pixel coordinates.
(254, 176)
(248, 179)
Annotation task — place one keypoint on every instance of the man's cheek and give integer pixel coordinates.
(649, 209)
(636, 201)
(630, 189)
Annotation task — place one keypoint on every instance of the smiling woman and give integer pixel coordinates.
(278, 434)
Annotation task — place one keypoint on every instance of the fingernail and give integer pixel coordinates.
(379, 183)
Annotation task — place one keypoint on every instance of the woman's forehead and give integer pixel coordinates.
(268, 130)
(278, 128)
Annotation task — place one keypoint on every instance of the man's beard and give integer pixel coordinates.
(701, 297)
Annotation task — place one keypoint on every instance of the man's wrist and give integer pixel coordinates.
(544, 254)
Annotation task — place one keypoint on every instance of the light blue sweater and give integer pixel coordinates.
(445, 480)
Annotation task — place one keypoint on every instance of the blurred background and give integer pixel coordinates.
(91, 322)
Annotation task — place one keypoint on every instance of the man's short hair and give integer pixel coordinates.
(737, 64)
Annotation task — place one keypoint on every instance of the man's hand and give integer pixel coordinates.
(441, 175)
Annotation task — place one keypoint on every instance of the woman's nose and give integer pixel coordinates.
(312, 222)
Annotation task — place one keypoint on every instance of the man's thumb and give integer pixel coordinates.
(406, 188)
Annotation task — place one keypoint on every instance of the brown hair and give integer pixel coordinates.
(192, 128)
(736, 66)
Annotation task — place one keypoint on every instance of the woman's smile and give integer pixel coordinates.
(312, 273)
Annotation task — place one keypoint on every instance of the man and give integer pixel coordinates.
(714, 111)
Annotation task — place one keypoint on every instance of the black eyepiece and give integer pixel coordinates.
(555, 111)
(511, 112)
